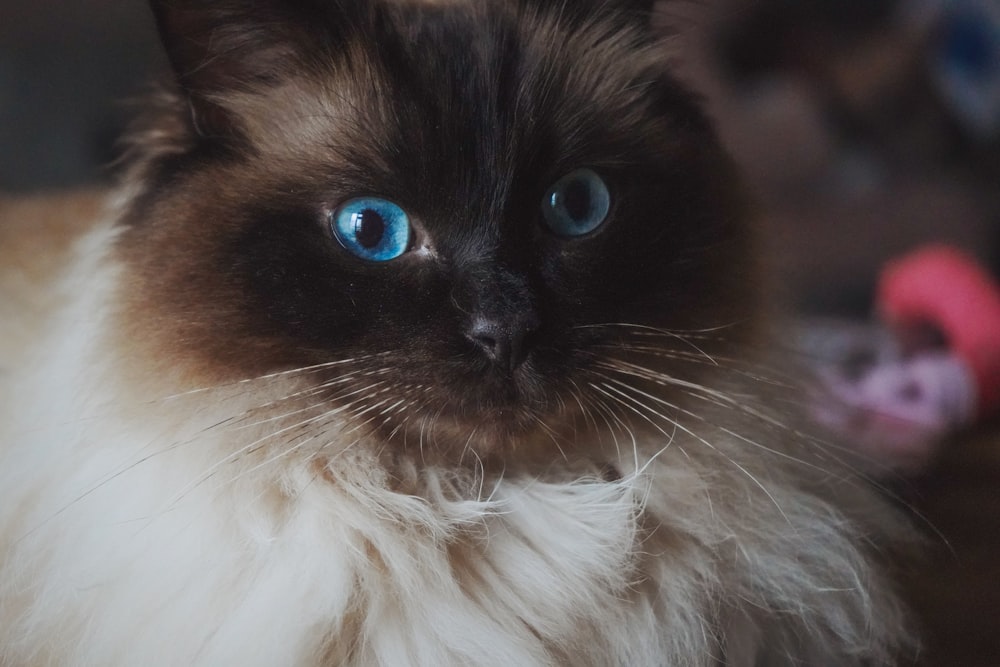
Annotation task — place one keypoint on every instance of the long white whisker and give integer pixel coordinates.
(708, 444)
(721, 399)
(661, 401)
(278, 374)
(683, 337)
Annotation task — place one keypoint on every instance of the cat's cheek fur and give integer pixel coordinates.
(134, 536)
(134, 512)
(142, 524)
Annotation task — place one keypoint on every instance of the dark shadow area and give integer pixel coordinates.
(67, 71)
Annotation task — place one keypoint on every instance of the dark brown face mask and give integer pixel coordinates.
(488, 194)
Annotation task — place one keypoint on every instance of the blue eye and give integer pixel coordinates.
(372, 228)
(577, 204)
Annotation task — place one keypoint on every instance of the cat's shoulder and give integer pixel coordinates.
(38, 238)
(37, 231)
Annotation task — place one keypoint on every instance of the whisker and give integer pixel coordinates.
(724, 400)
(730, 364)
(729, 459)
(279, 374)
(679, 409)
(554, 437)
(277, 457)
(684, 337)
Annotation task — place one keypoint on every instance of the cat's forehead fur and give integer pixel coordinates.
(441, 106)
(479, 75)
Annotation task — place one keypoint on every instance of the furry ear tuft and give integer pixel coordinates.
(228, 45)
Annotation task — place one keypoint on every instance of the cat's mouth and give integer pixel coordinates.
(484, 414)
(500, 423)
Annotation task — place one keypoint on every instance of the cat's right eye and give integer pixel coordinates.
(372, 228)
(577, 204)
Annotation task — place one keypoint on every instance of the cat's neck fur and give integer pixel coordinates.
(219, 429)
(434, 567)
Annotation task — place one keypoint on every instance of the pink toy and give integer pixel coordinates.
(901, 407)
(946, 289)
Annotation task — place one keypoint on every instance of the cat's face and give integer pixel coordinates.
(477, 201)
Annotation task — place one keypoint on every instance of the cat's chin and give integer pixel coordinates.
(489, 434)
(485, 413)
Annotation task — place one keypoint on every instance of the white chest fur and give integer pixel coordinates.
(129, 541)
(131, 537)
(131, 534)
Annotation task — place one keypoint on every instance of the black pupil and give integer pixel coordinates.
(369, 228)
(576, 199)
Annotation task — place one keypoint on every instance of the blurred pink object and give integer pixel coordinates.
(948, 290)
(901, 405)
(897, 413)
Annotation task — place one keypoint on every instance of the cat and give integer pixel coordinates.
(416, 333)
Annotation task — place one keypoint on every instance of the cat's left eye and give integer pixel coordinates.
(577, 204)
(372, 228)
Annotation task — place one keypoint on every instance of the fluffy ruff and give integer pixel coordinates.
(131, 533)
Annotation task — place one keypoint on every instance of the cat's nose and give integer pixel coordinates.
(506, 341)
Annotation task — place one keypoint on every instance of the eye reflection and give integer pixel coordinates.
(577, 204)
(371, 228)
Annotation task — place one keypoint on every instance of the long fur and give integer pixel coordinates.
(151, 514)
(134, 536)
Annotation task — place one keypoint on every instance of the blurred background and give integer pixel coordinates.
(67, 70)
(865, 128)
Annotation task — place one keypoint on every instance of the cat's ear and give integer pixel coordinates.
(221, 46)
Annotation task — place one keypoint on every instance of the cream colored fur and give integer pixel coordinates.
(130, 533)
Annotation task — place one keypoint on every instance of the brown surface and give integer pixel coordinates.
(956, 595)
